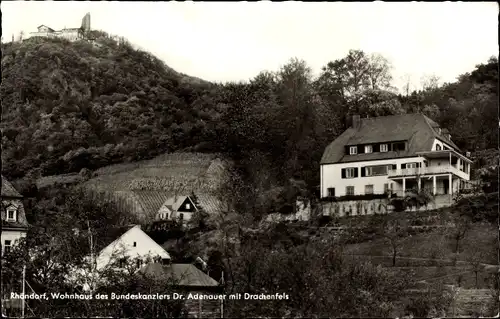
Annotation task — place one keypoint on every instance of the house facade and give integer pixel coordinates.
(394, 155)
(124, 248)
(14, 223)
(178, 208)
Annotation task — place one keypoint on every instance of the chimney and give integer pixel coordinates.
(356, 121)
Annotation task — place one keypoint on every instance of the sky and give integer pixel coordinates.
(234, 41)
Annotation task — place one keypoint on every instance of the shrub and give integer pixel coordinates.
(398, 204)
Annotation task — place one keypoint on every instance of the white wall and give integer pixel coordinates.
(123, 247)
(12, 235)
(331, 176)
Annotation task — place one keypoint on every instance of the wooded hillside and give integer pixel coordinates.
(69, 106)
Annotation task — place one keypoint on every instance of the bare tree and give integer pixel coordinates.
(394, 232)
(429, 82)
(407, 84)
(462, 226)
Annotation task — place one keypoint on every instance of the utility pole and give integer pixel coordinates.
(91, 257)
(24, 284)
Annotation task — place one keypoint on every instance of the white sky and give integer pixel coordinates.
(234, 41)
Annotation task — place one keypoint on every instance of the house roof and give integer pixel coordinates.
(110, 236)
(186, 275)
(174, 202)
(8, 190)
(418, 129)
(43, 25)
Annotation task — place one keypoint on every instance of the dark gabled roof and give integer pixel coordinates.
(183, 275)
(418, 129)
(8, 190)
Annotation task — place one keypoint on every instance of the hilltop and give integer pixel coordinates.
(69, 105)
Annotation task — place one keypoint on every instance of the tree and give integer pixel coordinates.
(462, 226)
(429, 82)
(394, 232)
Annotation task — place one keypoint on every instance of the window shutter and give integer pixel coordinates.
(355, 172)
(376, 148)
(361, 149)
(403, 166)
(363, 174)
(343, 173)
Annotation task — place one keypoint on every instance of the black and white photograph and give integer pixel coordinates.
(258, 159)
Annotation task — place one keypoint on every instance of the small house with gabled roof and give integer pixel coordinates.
(14, 222)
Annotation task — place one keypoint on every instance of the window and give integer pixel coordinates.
(368, 149)
(383, 148)
(374, 170)
(11, 214)
(122, 262)
(353, 150)
(181, 216)
(411, 165)
(138, 263)
(331, 192)
(188, 206)
(135, 244)
(438, 147)
(386, 187)
(7, 246)
(351, 172)
(349, 190)
(400, 146)
(368, 189)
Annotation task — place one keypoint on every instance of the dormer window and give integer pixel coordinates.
(11, 215)
(383, 148)
(368, 149)
(188, 206)
(438, 130)
(353, 150)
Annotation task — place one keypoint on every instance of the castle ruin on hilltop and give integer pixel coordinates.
(71, 34)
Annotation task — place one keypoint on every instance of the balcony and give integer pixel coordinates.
(431, 170)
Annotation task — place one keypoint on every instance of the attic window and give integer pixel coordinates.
(438, 147)
(353, 150)
(400, 146)
(438, 130)
(11, 214)
(383, 148)
(188, 206)
(368, 149)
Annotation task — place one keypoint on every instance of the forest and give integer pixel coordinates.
(69, 106)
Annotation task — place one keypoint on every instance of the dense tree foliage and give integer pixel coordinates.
(68, 106)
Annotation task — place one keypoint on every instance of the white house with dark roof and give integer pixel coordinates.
(393, 154)
(14, 223)
(121, 248)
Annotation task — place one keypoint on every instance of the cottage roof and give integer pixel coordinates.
(43, 25)
(8, 190)
(417, 129)
(110, 236)
(184, 275)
